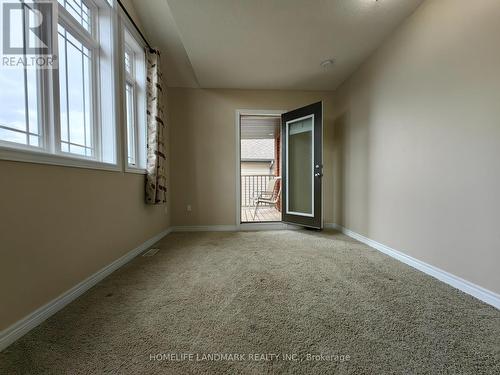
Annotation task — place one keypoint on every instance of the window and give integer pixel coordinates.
(77, 93)
(135, 101)
(80, 12)
(19, 96)
(19, 112)
(81, 127)
(56, 113)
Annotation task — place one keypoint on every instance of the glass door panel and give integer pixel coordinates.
(300, 136)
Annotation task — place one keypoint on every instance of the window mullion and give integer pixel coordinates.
(72, 26)
(132, 119)
(25, 79)
(50, 103)
(133, 76)
(66, 92)
(48, 100)
(136, 125)
(85, 109)
(95, 105)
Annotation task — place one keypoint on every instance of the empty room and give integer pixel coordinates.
(250, 187)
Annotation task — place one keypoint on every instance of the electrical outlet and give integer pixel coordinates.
(188, 208)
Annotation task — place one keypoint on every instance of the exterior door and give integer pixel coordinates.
(302, 165)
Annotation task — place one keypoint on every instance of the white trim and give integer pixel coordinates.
(49, 104)
(119, 104)
(267, 226)
(129, 169)
(23, 326)
(332, 226)
(236, 228)
(108, 82)
(261, 112)
(71, 24)
(287, 133)
(465, 286)
(132, 42)
(239, 113)
(90, 40)
(66, 160)
(205, 228)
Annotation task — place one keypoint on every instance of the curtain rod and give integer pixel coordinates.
(135, 25)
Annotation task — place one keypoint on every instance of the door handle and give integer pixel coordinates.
(318, 175)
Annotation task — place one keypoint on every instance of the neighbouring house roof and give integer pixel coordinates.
(257, 149)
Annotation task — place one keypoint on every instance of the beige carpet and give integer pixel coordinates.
(293, 293)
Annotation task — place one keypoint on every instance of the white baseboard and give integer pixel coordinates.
(234, 228)
(266, 226)
(332, 226)
(23, 326)
(465, 286)
(205, 228)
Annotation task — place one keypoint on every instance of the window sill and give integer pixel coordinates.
(39, 157)
(135, 170)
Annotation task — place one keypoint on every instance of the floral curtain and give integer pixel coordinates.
(156, 182)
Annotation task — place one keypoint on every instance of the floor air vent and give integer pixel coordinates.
(151, 252)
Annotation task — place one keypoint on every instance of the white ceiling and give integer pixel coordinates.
(155, 19)
(267, 44)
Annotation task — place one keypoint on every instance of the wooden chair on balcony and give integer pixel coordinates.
(270, 196)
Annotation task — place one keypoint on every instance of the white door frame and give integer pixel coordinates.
(251, 226)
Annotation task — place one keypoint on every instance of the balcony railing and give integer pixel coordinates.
(252, 186)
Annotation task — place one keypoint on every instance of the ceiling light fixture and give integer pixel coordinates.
(326, 63)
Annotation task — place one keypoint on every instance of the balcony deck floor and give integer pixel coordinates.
(264, 213)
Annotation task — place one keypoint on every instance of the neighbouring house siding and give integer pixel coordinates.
(256, 167)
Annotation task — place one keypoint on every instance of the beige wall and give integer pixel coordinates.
(417, 143)
(204, 150)
(60, 225)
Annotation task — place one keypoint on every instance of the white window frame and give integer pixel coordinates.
(89, 40)
(131, 116)
(132, 42)
(9, 148)
(104, 24)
